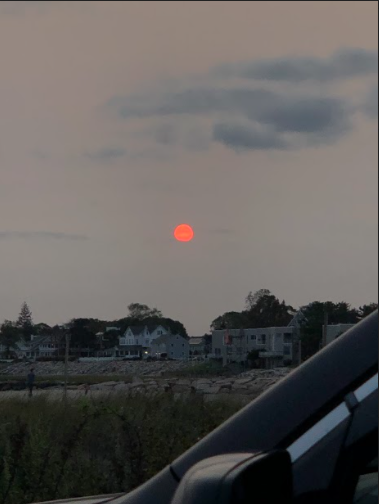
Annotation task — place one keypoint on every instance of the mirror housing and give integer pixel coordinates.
(238, 478)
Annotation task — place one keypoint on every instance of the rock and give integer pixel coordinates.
(242, 381)
(136, 385)
(199, 384)
(225, 389)
(180, 388)
(210, 390)
(109, 384)
(186, 383)
(223, 383)
(120, 387)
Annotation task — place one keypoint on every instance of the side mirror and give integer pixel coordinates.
(238, 478)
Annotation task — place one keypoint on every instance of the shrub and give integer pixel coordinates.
(86, 447)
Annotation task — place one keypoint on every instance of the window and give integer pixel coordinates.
(137, 341)
(287, 350)
(217, 351)
(253, 337)
(147, 341)
(287, 337)
(183, 345)
(172, 344)
(261, 339)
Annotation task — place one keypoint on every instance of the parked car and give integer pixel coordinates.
(312, 438)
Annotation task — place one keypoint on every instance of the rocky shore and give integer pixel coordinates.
(243, 387)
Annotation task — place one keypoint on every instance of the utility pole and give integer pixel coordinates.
(66, 364)
(299, 352)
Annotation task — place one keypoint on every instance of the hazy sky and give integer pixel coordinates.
(255, 122)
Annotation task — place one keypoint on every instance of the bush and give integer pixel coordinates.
(88, 447)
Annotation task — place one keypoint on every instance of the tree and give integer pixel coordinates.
(229, 320)
(263, 309)
(25, 321)
(252, 299)
(142, 311)
(81, 336)
(365, 310)
(9, 336)
(41, 329)
(266, 310)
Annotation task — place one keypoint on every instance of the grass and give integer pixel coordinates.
(52, 380)
(88, 447)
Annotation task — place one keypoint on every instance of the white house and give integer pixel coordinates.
(141, 336)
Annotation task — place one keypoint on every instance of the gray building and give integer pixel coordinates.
(274, 345)
(171, 346)
(197, 345)
(333, 331)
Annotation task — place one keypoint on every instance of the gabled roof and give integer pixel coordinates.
(137, 330)
(152, 328)
(165, 338)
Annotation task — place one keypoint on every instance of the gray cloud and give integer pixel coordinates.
(107, 154)
(40, 235)
(370, 105)
(319, 119)
(284, 112)
(345, 64)
(307, 115)
(314, 119)
(241, 137)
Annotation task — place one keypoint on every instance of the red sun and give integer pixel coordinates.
(183, 233)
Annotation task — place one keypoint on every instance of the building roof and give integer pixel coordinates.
(137, 330)
(196, 340)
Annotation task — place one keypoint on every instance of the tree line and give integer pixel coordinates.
(262, 309)
(83, 331)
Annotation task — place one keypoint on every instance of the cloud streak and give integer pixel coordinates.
(345, 64)
(107, 154)
(370, 105)
(242, 137)
(40, 235)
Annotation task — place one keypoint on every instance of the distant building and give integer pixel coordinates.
(141, 335)
(197, 345)
(274, 345)
(333, 331)
(171, 346)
